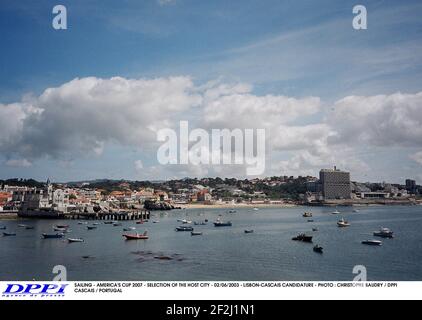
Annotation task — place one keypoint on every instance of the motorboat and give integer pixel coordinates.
(307, 215)
(136, 236)
(222, 224)
(384, 233)
(302, 237)
(196, 233)
(372, 242)
(129, 229)
(91, 227)
(249, 231)
(52, 235)
(70, 240)
(9, 234)
(343, 223)
(318, 249)
(184, 228)
(335, 212)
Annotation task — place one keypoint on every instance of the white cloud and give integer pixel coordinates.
(417, 157)
(21, 163)
(138, 165)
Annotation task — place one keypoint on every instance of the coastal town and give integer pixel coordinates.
(333, 187)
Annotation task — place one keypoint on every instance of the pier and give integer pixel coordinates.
(115, 216)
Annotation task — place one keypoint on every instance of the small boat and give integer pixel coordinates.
(2, 227)
(70, 240)
(307, 215)
(60, 229)
(372, 242)
(52, 235)
(117, 224)
(314, 229)
(200, 223)
(318, 249)
(222, 224)
(83, 222)
(232, 211)
(91, 227)
(22, 225)
(9, 234)
(184, 228)
(255, 209)
(343, 223)
(108, 222)
(356, 210)
(336, 212)
(249, 231)
(155, 221)
(302, 237)
(384, 233)
(139, 222)
(96, 224)
(29, 227)
(196, 233)
(129, 229)
(310, 220)
(136, 236)
(64, 226)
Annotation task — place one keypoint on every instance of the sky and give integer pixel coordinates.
(87, 102)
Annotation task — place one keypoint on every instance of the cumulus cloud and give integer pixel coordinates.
(383, 120)
(81, 116)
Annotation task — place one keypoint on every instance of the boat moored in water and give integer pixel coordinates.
(91, 227)
(335, 212)
(9, 234)
(372, 242)
(343, 223)
(3, 227)
(184, 228)
(52, 235)
(249, 231)
(307, 215)
(196, 233)
(136, 236)
(384, 233)
(302, 237)
(70, 240)
(219, 223)
(129, 229)
(318, 249)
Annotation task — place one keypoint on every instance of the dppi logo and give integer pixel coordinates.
(46, 290)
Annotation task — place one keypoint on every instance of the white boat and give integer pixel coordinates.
(129, 229)
(75, 240)
(155, 221)
(343, 223)
(336, 212)
(255, 209)
(82, 222)
(384, 233)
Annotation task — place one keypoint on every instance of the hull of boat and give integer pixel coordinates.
(135, 237)
(52, 236)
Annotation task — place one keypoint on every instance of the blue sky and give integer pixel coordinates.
(282, 48)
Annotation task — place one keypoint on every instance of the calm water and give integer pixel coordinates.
(223, 253)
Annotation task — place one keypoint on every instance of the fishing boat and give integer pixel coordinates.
(196, 233)
(343, 223)
(9, 234)
(302, 237)
(384, 233)
(184, 228)
(372, 242)
(91, 227)
(129, 229)
(307, 215)
(219, 223)
(249, 231)
(52, 235)
(136, 236)
(318, 249)
(70, 240)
